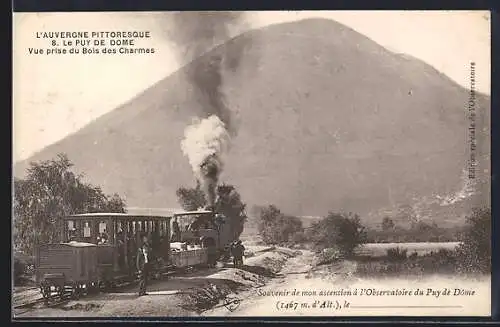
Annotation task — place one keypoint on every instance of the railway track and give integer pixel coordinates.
(51, 302)
(56, 299)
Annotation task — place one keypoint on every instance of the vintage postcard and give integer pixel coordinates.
(251, 164)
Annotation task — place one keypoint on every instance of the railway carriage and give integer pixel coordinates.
(98, 250)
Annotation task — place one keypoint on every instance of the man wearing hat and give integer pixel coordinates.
(143, 264)
(238, 250)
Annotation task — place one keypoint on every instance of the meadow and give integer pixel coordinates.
(421, 248)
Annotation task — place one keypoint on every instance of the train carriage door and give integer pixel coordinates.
(113, 234)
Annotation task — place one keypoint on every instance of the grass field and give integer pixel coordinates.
(422, 248)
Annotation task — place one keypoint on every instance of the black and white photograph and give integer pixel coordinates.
(251, 164)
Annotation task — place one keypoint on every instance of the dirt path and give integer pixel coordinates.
(291, 295)
(296, 272)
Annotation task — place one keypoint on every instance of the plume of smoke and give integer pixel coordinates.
(204, 143)
(195, 33)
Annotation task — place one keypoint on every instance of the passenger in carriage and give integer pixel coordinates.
(72, 235)
(103, 238)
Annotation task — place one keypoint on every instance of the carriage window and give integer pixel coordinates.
(102, 227)
(71, 231)
(86, 230)
(103, 233)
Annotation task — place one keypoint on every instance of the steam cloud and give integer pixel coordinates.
(204, 144)
(206, 140)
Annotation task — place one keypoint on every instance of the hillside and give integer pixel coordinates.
(327, 120)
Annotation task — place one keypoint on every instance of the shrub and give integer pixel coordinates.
(329, 255)
(396, 254)
(277, 228)
(387, 223)
(339, 230)
(475, 249)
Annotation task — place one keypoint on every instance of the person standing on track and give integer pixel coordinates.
(232, 252)
(143, 264)
(239, 251)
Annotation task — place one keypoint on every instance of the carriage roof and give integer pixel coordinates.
(193, 213)
(121, 216)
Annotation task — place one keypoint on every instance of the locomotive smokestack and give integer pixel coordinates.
(210, 173)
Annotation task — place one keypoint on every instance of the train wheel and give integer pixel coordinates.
(92, 288)
(46, 291)
(77, 291)
(107, 286)
(112, 285)
(60, 291)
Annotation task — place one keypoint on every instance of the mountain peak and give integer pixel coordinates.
(326, 120)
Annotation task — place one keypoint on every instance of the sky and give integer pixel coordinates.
(56, 95)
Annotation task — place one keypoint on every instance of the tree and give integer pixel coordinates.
(342, 231)
(387, 224)
(277, 228)
(228, 203)
(191, 199)
(407, 213)
(49, 192)
(475, 248)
